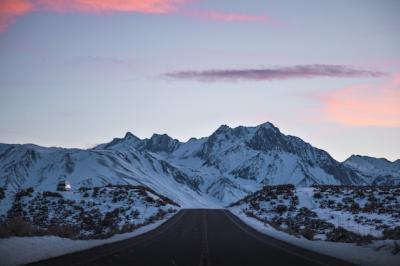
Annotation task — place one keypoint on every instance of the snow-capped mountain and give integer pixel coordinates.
(235, 161)
(376, 171)
(209, 171)
(23, 166)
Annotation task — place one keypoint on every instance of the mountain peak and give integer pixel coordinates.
(353, 156)
(160, 136)
(223, 128)
(162, 143)
(268, 125)
(129, 135)
(242, 129)
(222, 131)
(128, 139)
(366, 158)
(374, 168)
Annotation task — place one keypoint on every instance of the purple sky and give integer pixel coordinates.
(77, 73)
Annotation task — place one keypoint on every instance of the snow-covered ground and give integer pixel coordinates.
(375, 254)
(363, 210)
(22, 250)
(315, 212)
(86, 213)
(357, 224)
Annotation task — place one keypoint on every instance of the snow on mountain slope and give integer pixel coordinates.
(209, 171)
(236, 161)
(23, 166)
(375, 170)
(157, 143)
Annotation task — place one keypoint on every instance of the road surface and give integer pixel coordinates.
(200, 238)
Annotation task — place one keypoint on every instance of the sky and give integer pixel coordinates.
(76, 73)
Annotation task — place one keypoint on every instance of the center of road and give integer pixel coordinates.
(205, 253)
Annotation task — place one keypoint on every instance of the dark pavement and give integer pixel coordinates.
(201, 238)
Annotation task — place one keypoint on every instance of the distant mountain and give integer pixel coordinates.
(376, 171)
(23, 166)
(210, 171)
(235, 161)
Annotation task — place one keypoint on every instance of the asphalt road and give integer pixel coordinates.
(200, 238)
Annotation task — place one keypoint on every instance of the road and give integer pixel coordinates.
(200, 238)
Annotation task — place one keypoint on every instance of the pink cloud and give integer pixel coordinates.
(11, 9)
(98, 6)
(224, 16)
(365, 105)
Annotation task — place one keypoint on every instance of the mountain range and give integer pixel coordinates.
(209, 171)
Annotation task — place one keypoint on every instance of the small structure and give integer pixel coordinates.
(63, 185)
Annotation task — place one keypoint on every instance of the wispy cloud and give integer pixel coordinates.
(98, 60)
(275, 73)
(99, 6)
(224, 16)
(11, 9)
(364, 104)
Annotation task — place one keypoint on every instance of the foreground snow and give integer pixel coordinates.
(22, 250)
(362, 255)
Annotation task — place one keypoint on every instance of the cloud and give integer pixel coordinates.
(224, 16)
(11, 9)
(275, 73)
(364, 104)
(98, 60)
(99, 6)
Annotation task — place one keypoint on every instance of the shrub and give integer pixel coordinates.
(149, 199)
(355, 207)
(135, 214)
(304, 211)
(52, 194)
(17, 226)
(308, 233)
(2, 193)
(392, 233)
(4, 231)
(24, 193)
(340, 234)
(68, 231)
(83, 189)
(317, 195)
(280, 208)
